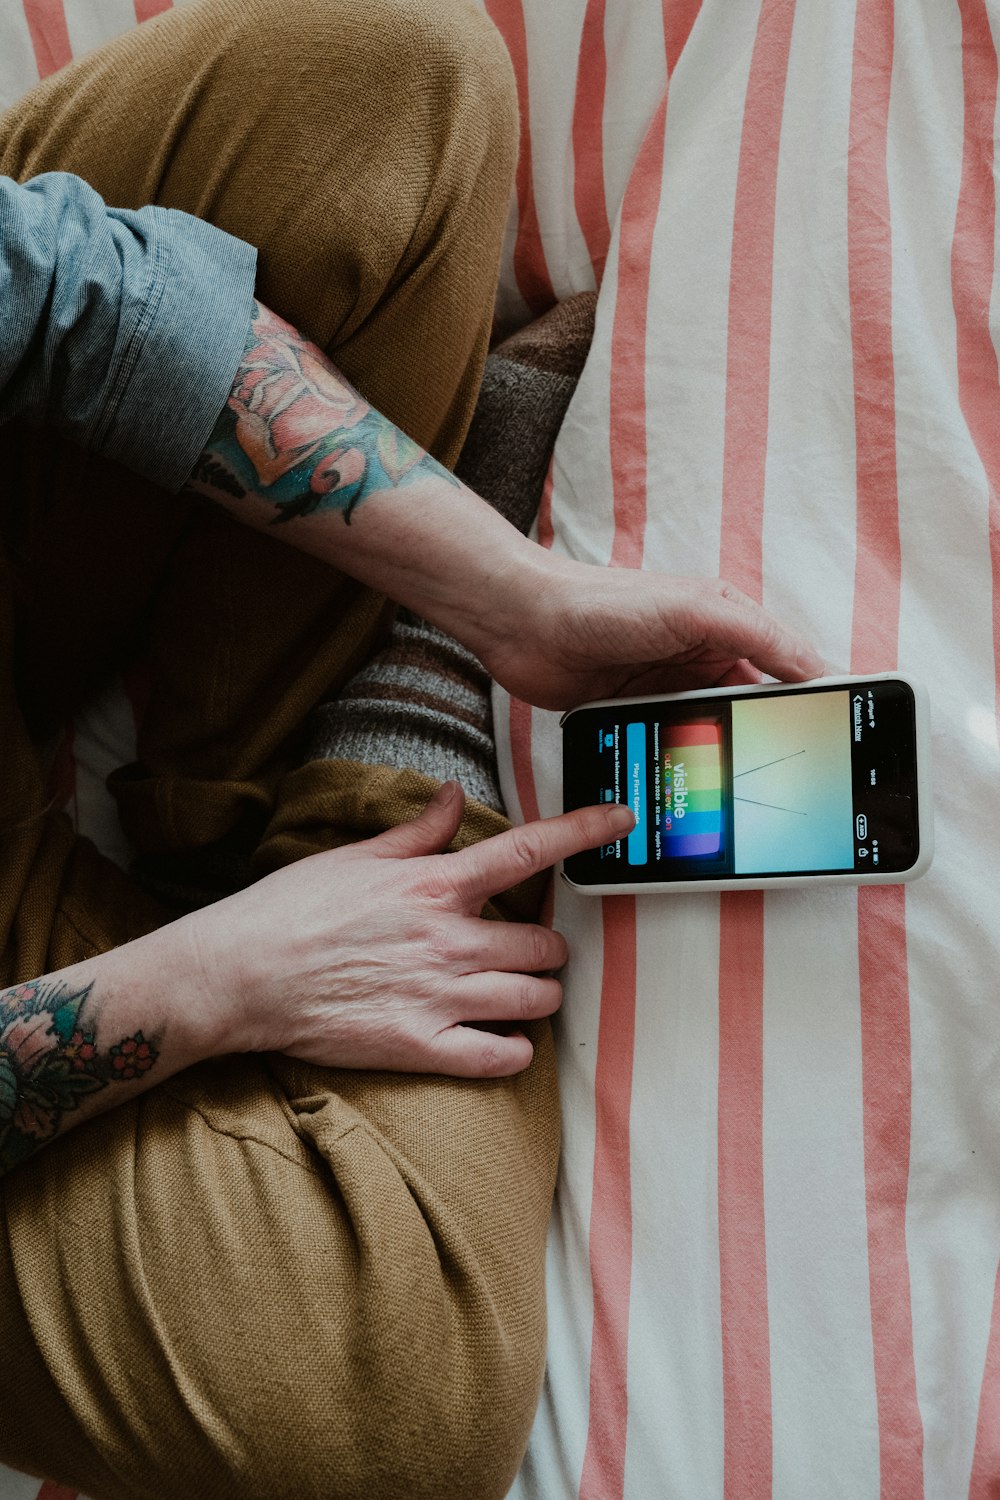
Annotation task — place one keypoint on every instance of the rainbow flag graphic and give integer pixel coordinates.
(691, 772)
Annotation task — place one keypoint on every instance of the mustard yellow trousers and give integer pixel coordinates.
(262, 1279)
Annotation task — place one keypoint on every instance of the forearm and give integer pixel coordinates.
(86, 1038)
(297, 449)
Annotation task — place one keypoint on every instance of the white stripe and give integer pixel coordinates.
(17, 1486)
(636, 78)
(18, 71)
(104, 740)
(576, 449)
(809, 500)
(675, 1429)
(553, 34)
(582, 486)
(511, 311)
(953, 1213)
(560, 1434)
(688, 325)
(824, 1422)
(91, 23)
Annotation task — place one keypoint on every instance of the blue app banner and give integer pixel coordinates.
(635, 781)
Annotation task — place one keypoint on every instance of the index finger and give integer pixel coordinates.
(497, 863)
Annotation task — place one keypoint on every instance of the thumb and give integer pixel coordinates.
(430, 833)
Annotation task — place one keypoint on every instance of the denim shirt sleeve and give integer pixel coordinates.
(121, 329)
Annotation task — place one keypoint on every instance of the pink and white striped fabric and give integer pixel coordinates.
(774, 1254)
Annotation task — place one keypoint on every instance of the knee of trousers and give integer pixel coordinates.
(405, 67)
(308, 108)
(449, 43)
(386, 136)
(426, 101)
(231, 1307)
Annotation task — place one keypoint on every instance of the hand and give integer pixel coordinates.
(375, 956)
(570, 632)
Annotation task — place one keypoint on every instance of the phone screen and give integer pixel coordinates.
(813, 781)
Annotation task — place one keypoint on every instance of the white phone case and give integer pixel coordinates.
(769, 882)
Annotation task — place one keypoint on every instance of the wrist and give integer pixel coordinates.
(522, 595)
(495, 591)
(172, 971)
(444, 552)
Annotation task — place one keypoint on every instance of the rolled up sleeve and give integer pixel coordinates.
(120, 328)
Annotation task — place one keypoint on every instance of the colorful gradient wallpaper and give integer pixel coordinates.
(793, 804)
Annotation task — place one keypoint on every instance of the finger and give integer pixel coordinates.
(497, 863)
(689, 676)
(736, 595)
(464, 1052)
(740, 628)
(506, 997)
(429, 833)
(514, 947)
(740, 674)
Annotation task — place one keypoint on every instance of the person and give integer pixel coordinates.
(278, 1171)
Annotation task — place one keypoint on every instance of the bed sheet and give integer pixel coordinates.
(773, 1260)
(774, 1252)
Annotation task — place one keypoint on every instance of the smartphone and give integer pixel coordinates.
(750, 787)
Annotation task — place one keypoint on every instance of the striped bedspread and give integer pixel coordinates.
(773, 1260)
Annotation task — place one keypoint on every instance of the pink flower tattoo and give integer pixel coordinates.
(287, 403)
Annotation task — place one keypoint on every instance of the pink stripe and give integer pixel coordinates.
(546, 534)
(520, 749)
(588, 138)
(520, 713)
(640, 207)
(994, 542)
(882, 960)
(746, 1369)
(972, 263)
(986, 1458)
(49, 34)
(748, 360)
(885, 1081)
(875, 630)
(678, 22)
(603, 1476)
(145, 10)
(530, 269)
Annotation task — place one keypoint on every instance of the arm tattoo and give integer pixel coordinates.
(49, 1063)
(296, 433)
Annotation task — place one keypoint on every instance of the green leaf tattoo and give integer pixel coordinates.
(49, 1063)
(397, 453)
(296, 433)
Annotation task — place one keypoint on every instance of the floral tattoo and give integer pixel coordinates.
(296, 433)
(49, 1063)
